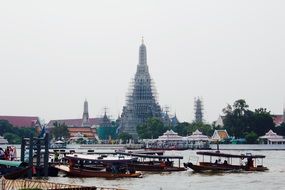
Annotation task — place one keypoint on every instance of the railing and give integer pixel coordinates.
(45, 185)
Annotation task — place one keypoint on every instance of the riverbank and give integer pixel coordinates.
(249, 146)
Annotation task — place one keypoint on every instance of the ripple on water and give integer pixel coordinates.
(272, 179)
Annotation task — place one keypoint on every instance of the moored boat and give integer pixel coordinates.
(104, 173)
(155, 163)
(80, 165)
(245, 162)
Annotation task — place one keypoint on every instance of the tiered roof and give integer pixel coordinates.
(170, 135)
(198, 136)
(270, 135)
(85, 131)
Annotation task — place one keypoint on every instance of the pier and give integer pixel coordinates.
(44, 185)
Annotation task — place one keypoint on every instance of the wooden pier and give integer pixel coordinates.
(45, 185)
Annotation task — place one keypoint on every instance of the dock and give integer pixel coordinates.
(45, 185)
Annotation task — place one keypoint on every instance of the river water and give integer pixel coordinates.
(272, 179)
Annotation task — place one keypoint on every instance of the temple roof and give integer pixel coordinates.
(21, 121)
(271, 135)
(75, 122)
(170, 135)
(198, 136)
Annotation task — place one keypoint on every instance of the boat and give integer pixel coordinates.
(58, 145)
(106, 166)
(154, 163)
(244, 162)
(104, 173)
(13, 169)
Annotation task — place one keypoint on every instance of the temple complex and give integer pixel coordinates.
(141, 103)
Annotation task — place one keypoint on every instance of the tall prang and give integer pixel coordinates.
(85, 116)
(141, 102)
(198, 109)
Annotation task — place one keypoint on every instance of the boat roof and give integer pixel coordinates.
(219, 154)
(101, 159)
(151, 156)
(13, 163)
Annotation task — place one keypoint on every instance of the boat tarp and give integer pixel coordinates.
(225, 155)
(12, 163)
(151, 156)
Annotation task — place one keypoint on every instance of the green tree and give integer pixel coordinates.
(5, 127)
(240, 121)
(251, 137)
(236, 118)
(185, 128)
(125, 137)
(14, 134)
(261, 122)
(59, 131)
(182, 128)
(280, 130)
(12, 138)
(153, 128)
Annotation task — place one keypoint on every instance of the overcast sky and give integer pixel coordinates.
(54, 54)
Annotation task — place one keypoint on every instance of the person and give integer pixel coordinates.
(7, 153)
(56, 155)
(250, 163)
(13, 153)
(225, 162)
(2, 154)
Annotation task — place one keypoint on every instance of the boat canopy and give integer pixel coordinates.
(152, 156)
(100, 159)
(13, 163)
(218, 154)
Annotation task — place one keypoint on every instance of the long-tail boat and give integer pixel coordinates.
(13, 169)
(155, 163)
(244, 162)
(80, 165)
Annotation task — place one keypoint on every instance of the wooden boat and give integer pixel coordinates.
(155, 163)
(114, 166)
(9, 168)
(83, 172)
(227, 165)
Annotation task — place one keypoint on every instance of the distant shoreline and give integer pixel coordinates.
(249, 146)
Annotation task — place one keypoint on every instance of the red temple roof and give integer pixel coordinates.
(21, 121)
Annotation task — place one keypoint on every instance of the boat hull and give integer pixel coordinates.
(155, 168)
(80, 172)
(210, 167)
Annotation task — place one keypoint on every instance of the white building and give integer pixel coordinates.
(271, 138)
(198, 141)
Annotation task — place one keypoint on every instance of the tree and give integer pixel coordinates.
(14, 134)
(12, 138)
(251, 137)
(280, 130)
(182, 128)
(261, 122)
(125, 137)
(5, 127)
(59, 131)
(185, 128)
(240, 121)
(153, 128)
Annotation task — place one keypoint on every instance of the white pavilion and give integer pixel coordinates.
(197, 140)
(271, 138)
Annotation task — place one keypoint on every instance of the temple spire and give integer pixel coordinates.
(142, 54)
(85, 116)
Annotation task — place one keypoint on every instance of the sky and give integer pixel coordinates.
(56, 54)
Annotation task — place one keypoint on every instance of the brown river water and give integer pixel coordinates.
(274, 178)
